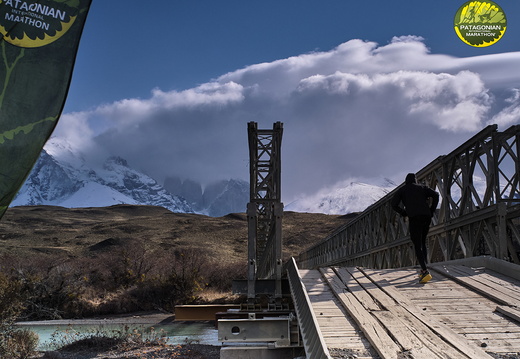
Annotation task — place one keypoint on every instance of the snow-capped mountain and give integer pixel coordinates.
(62, 177)
(347, 197)
(216, 199)
(226, 197)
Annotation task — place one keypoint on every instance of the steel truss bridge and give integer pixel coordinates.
(356, 293)
(478, 213)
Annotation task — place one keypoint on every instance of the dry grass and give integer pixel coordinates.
(216, 296)
(119, 259)
(81, 232)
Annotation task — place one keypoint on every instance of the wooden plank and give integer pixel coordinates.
(412, 345)
(353, 286)
(452, 309)
(428, 293)
(328, 304)
(375, 333)
(509, 312)
(372, 289)
(485, 290)
(337, 328)
(440, 329)
(501, 345)
(488, 280)
(476, 330)
(456, 322)
(492, 336)
(502, 280)
(498, 265)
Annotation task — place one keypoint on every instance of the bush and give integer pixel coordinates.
(177, 278)
(15, 344)
(221, 279)
(47, 286)
(11, 300)
(121, 280)
(53, 292)
(132, 264)
(18, 344)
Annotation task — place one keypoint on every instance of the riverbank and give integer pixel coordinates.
(189, 351)
(169, 339)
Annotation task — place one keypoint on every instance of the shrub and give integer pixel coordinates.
(131, 264)
(124, 279)
(11, 300)
(19, 344)
(53, 292)
(15, 344)
(177, 279)
(222, 278)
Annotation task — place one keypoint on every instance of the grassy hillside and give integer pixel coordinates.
(77, 232)
(85, 261)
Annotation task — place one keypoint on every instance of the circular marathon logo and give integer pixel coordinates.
(480, 23)
(35, 23)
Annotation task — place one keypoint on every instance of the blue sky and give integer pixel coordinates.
(366, 90)
(129, 47)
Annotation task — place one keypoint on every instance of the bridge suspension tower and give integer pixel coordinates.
(265, 209)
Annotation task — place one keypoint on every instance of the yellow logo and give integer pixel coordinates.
(35, 23)
(480, 23)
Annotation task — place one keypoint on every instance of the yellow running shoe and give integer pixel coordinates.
(425, 277)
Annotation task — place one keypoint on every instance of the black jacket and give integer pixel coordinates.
(415, 200)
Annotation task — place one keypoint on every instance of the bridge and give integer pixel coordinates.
(356, 294)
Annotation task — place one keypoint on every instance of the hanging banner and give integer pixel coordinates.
(38, 48)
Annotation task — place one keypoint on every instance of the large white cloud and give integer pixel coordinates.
(358, 110)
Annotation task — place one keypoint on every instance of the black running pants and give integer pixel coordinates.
(419, 227)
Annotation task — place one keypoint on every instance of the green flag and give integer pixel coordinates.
(38, 48)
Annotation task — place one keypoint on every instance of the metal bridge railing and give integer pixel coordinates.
(313, 341)
(478, 213)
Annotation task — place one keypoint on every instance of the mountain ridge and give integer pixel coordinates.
(63, 177)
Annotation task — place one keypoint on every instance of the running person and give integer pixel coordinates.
(415, 199)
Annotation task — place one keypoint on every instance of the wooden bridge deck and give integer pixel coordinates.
(462, 312)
